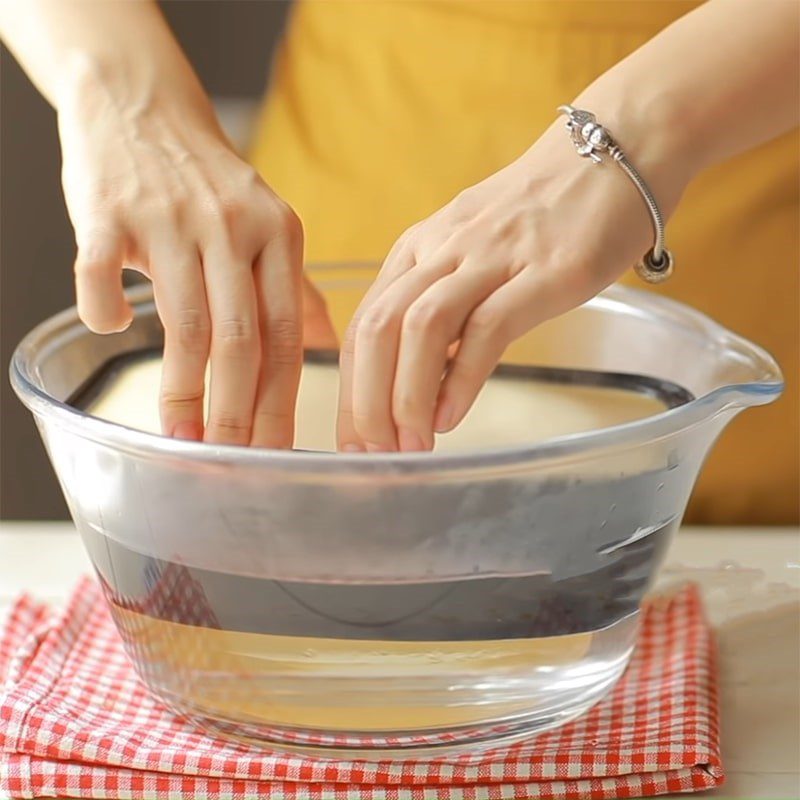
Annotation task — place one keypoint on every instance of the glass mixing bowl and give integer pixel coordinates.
(369, 604)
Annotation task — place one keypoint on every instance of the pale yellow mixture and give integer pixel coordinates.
(508, 411)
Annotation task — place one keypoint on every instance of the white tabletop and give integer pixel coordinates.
(751, 584)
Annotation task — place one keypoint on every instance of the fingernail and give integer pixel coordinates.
(410, 440)
(188, 430)
(444, 417)
(352, 447)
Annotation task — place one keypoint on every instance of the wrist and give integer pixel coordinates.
(93, 83)
(650, 128)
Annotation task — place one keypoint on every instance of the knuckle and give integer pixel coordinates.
(368, 428)
(424, 317)
(377, 321)
(235, 334)
(460, 198)
(279, 419)
(410, 235)
(229, 425)
(285, 338)
(192, 330)
(91, 266)
(178, 399)
(468, 372)
(230, 209)
(156, 210)
(288, 224)
(406, 406)
(241, 180)
(486, 324)
(215, 213)
(285, 214)
(461, 206)
(250, 177)
(96, 257)
(237, 208)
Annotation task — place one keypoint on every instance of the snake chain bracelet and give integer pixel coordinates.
(591, 139)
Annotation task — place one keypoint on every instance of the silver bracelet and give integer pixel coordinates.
(590, 139)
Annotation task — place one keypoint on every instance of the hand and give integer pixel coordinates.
(534, 240)
(156, 187)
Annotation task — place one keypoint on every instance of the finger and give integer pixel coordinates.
(430, 326)
(278, 279)
(399, 261)
(180, 296)
(318, 330)
(235, 345)
(376, 345)
(346, 437)
(525, 301)
(98, 280)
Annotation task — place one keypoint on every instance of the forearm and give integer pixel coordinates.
(720, 80)
(73, 49)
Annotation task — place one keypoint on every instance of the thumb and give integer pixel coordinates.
(98, 281)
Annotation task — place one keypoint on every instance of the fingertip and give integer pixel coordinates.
(102, 306)
(270, 439)
(104, 322)
(351, 447)
(410, 441)
(445, 417)
(191, 431)
(124, 321)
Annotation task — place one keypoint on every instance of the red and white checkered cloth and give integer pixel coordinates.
(75, 721)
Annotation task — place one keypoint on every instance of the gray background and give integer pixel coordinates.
(230, 42)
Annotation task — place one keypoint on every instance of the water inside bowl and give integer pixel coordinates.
(438, 653)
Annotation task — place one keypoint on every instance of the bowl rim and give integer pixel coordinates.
(571, 446)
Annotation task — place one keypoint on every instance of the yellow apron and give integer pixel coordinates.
(380, 112)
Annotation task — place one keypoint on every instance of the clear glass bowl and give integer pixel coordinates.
(365, 605)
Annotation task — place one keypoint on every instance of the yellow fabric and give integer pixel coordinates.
(380, 112)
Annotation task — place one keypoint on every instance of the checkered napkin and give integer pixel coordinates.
(75, 721)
